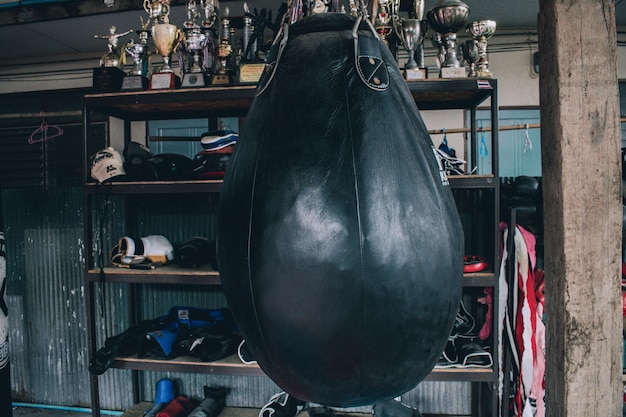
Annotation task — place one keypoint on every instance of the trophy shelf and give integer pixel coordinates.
(447, 94)
(166, 274)
(472, 181)
(173, 103)
(155, 187)
(215, 186)
(173, 275)
(235, 100)
(231, 365)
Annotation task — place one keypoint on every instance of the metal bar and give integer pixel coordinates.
(41, 114)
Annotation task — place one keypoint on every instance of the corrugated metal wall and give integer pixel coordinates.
(45, 293)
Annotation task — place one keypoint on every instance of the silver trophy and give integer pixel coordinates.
(110, 76)
(482, 30)
(410, 31)
(441, 50)
(158, 10)
(114, 58)
(470, 53)
(447, 17)
(193, 45)
(137, 79)
(211, 8)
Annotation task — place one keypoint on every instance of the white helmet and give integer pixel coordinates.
(105, 164)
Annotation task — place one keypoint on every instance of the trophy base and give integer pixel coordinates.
(221, 79)
(450, 72)
(195, 79)
(415, 74)
(250, 73)
(164, 81)
(134, 83)
(483, 74)
(107, 79)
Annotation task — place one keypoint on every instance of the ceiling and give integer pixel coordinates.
(51, 36)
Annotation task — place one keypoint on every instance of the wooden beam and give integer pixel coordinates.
(41, 12)
(580, 138)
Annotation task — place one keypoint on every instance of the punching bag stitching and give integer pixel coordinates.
(356, 193)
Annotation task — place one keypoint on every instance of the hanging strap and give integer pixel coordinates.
(368, 55)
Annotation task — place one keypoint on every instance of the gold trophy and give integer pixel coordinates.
(224, 71)
(383, 19)
(166, 38)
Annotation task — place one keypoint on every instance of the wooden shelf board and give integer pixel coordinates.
(161, 275)
(230, 365)
(155, 187)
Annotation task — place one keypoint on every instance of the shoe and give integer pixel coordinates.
(473, 355)
(393, 408)
(244, 354)
(464, 323)
(218, 139)
(282, 405)
(449, 357)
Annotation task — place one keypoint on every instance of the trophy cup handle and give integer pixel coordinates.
(146, 7)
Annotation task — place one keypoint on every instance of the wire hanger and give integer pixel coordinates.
(528, 144)
(44, 132)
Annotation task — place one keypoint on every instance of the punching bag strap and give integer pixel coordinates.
(293, 13)
(273, 57)
(368, 56)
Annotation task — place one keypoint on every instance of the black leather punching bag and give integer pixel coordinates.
(339, 244)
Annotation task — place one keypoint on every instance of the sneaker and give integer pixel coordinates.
(282, 405)
(473, 355)
(464, 323)
(449, 357)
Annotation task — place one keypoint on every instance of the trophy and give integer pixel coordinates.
(194, 43)
(109, 76)
(447, 17)
(224, 71)
(210, 8)
(482, 30)
(137, 79)
(412, 32)
(158, 10)
(166, 37)
(441, 50)
(383, 19)
(470, 53)
(251, 67)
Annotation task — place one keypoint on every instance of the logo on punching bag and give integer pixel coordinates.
(442, 170)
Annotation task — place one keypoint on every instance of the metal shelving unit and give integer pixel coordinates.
(461, 94)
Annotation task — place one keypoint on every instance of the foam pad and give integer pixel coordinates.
(339, 244)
